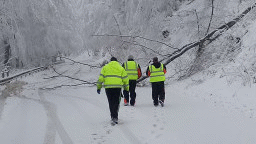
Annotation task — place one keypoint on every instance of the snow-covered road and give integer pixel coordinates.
(78, 115)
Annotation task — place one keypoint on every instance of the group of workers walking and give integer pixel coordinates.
(114, 76)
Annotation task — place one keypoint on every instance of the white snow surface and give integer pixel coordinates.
(196, 111)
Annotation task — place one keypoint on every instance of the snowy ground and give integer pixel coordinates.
(196, 112)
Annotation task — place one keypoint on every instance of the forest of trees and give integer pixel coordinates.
(33, 32)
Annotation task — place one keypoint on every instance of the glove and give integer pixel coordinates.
(98, 91)
(126, 93)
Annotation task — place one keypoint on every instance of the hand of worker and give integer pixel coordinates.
(98, 91)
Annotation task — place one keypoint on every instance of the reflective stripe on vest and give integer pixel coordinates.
(113, 75)
(156, 74)
(112, 81)
(131, 69)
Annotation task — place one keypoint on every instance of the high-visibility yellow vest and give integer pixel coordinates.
(156, 74)
(113, 75)
(131, 68)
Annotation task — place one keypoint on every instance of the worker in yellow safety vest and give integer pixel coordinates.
(113, 78)
(134, 73)
(156, 72)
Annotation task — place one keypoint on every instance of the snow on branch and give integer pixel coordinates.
(144, 47)
(80, 62)
(209, 38)
(209, 25)
(112, 35)
(49, 88)
(62, 75)
(86, 82)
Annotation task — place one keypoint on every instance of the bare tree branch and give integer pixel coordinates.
(51, 77)
(49, 88)
(119, 30)
(118, 26)
(84, 82)
(157, 42)
(137, 37)
(145, 47)
(209, 38)
(190, 2)
(198, 28)
(210, 19)
(80, 62)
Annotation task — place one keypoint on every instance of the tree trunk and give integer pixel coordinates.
(7, 52)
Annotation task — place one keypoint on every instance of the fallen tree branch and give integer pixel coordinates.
(84, 82)
(137, 37)
(117, 25)
(198, 27)
(50, 77)
(80, 62)
(209, 38)
(50, 88)
(145, 47)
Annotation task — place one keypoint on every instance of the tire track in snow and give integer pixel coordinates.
(53, 125)
(53, 121)
(99, 136)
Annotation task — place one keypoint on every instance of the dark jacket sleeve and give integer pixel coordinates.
(148, 72)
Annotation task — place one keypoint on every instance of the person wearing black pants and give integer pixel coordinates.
(158, 92)
(114, 97)
(156, 72)
(134, 73)
(113, 78)
(132, 87)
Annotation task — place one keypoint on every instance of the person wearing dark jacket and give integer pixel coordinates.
(113, 78)
(134, 73)
(156, 72)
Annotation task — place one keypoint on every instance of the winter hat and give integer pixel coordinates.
(113, 59)
(155, 59)
(130, 57)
